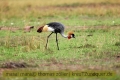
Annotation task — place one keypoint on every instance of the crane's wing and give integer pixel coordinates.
(58, 27)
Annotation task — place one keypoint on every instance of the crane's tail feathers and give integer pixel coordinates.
(40, 29)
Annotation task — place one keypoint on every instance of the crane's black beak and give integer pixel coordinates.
(73, 35)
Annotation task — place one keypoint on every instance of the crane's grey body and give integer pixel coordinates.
(58, 27)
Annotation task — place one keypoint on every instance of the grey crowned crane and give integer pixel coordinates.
(55, 27)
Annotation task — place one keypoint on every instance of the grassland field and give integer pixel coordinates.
(95, 23)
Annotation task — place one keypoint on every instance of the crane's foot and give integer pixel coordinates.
(45, 47)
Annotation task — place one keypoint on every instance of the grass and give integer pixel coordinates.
(95, 24)
(38, 9)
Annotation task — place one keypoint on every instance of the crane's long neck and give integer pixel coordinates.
(65, 36)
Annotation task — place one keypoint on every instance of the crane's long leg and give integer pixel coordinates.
(57, 41)
(47, 40)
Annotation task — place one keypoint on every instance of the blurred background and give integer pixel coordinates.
(54, 8)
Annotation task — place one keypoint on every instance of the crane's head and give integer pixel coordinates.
(71, 35)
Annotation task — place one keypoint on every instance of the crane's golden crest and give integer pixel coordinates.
(45, 28)
(70, 33)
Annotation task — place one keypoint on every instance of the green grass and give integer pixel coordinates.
(95, 46)
(97, 32)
